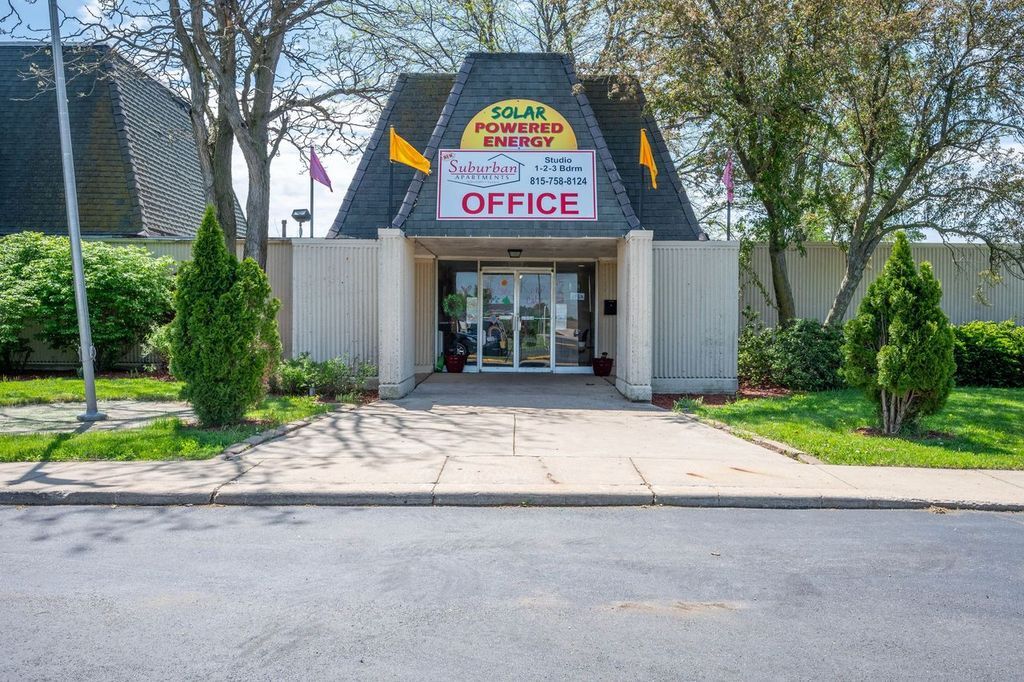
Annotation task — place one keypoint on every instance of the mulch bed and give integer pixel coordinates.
(667, 400)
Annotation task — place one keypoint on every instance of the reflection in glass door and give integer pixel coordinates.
(534, 309)
(515, 329)
(497, 327)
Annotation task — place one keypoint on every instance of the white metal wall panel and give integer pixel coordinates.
(966, 294)
(334, 307)
(426, 305)
(607, 289)
(695, 325)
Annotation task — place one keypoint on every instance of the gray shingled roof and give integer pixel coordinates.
(136, 159)
(603, 122)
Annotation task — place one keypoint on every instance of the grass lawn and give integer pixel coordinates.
(163, 440)
(67, 389)
(983, 428)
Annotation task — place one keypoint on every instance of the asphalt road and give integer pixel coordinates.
(508, 594)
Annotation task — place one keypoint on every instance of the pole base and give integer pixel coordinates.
(91, 417)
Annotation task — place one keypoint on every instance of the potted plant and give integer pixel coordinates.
(454, 306)
(602, 365)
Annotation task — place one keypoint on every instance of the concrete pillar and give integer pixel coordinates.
(635, 330)
(396, 267)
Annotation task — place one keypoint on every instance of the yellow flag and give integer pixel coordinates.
(647, 158)
(403, 152)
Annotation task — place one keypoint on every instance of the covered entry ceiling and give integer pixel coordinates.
(533, 249)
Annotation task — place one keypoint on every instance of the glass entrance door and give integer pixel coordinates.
(516, 325)
(534, 324)
(497, 327)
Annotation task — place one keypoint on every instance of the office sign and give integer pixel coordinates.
(516, 185)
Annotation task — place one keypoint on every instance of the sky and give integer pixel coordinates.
(289, 180)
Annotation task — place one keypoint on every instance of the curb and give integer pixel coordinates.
(489, 498)
(756, 439)
(233, 452)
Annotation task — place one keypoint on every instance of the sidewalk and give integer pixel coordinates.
(459, 441)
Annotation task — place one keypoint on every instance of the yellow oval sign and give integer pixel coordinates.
(518, 124)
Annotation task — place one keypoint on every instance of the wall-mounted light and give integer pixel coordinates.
(515, 253)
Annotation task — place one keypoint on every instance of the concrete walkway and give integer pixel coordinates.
(62, 417)
(509, 439)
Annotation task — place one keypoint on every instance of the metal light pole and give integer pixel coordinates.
(85, 350)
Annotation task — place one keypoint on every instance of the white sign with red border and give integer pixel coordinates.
(516, 185)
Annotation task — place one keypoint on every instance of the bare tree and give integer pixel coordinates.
(259, 75)
(285, 84)
(435, 35)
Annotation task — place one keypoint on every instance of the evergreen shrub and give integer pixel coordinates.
(899, 347)
(224, 339)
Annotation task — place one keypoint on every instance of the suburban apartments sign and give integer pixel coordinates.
(518, 161)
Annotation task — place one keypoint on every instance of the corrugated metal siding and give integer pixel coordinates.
(426, 302)
(334, 310)
(279, 272)
(607, 289)
(967, 295)
(695, 325)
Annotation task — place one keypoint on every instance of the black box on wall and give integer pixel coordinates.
(610, 306)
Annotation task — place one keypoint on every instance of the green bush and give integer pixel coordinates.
(294, 376)
(989, 354)
(328, 379)
(130, 291)
(336, 377)
(899, 347)
(19, 300)
(158, 346)
(803, 356)
(224, 339)
(754, 352)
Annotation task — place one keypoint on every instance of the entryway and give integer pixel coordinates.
(531, 317)
(516, 320)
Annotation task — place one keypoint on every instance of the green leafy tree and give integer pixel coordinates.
(899, 347)
(751, 76)
(926, 130)
(224, 340)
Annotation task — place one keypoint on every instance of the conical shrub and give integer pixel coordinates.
(224, 339)
(899, 347)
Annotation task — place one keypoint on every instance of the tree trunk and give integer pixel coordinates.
(780, 283)
(257, 209)
(223, 189)
(223, 144)
(895, 409)
(856, 260)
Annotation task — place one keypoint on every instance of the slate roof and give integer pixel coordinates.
(431, 110)
(135, 154)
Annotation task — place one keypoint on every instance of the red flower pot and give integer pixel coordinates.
(602, 366)
(454, 362)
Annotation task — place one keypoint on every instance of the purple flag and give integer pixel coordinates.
(316, 169)
(727, 178)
